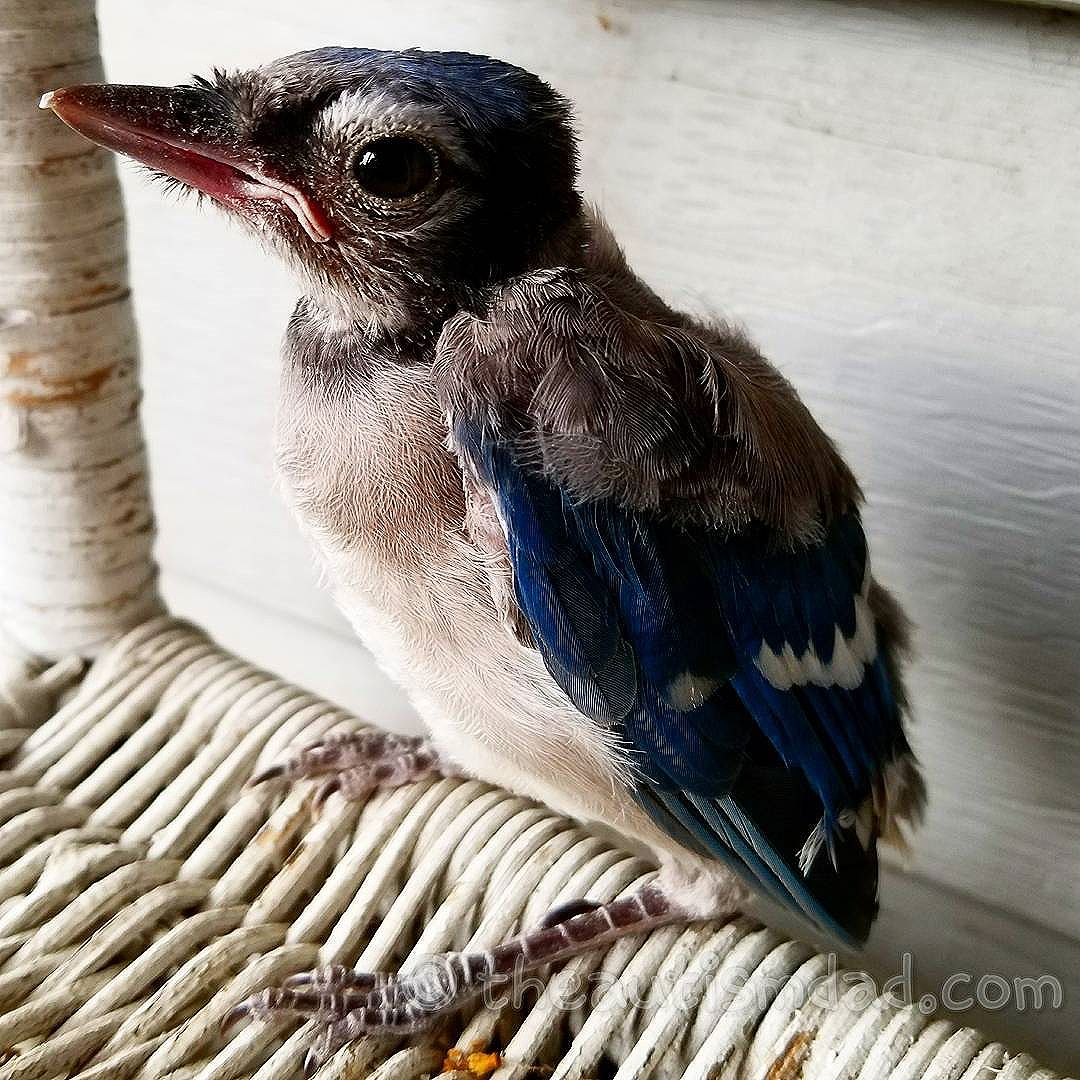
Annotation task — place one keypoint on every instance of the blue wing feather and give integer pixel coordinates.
(573, 616)
(657, 631)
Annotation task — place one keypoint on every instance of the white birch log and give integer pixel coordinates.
(76, 528)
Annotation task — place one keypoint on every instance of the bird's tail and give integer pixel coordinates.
(759, 830)
(899, 800)
(837, 889)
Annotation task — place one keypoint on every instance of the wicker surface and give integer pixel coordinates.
(144, 891)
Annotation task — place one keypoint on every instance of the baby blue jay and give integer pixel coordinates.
(604, 546)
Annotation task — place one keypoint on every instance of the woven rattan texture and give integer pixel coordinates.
(144, 891)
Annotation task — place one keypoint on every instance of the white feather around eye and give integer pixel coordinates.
(361, 114)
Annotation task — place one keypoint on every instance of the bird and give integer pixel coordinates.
(603, 545)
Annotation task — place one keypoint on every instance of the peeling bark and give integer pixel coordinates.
(76, 528)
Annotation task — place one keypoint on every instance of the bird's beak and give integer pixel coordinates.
(179, 131)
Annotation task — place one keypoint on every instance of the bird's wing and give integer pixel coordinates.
(747, 678)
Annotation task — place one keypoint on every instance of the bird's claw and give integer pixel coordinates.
(356, 763)
(277, 771)
(562, 912)
(350, 1003)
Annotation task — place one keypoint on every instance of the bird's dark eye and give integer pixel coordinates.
(394, 167)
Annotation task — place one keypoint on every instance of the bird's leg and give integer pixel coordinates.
(356, 763)
(357, 1003)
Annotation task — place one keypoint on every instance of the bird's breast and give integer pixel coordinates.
(367, 472)
(371, 480)
(366, 468)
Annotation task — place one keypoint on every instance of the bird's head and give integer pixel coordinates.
(394, 182)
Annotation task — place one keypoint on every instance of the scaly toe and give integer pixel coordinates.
(354, 763)
(338, 977)
(272, 1001)
(332, 1000)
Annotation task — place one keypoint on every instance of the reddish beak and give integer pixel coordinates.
(179, 131)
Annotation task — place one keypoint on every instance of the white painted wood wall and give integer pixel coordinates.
(889, 196)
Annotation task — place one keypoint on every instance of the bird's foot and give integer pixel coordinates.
(353, 1003)
(357, 763)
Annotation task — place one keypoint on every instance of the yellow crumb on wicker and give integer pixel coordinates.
(476, 1062)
